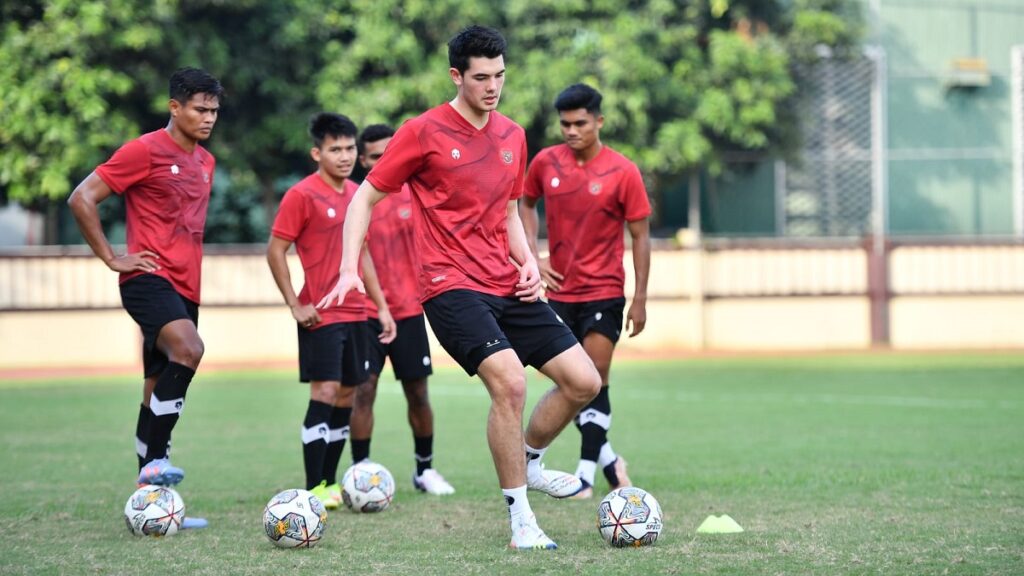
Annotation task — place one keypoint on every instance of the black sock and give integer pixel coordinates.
(314, 441)
(336, 442)
(165, 406)
(360, 449)
(424, 447)
(593, 423)
(141, 430)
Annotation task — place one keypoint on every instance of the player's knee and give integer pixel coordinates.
(189, 353)
(366, 394)
(510, 391)
(585, 387)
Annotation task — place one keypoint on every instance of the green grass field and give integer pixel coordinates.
(852, 464)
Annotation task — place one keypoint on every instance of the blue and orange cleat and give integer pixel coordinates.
(161, 472)
(193, 523)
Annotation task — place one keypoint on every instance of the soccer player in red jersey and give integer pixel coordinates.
(332, 341)
(465, 164)
(590, 192)
(390, 242)
(165, 178)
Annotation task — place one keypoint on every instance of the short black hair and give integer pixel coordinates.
(373, 133)
(474, 42)
(327, 124)
(187, 82)
(579, 96)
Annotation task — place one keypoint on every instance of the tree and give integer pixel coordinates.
(685, 82)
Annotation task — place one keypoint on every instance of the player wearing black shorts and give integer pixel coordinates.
(332, 341)
(465, 164)
(590, 192)
(390, 241)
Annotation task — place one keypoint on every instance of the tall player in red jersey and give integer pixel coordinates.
(465, 164)
(390, 242)
(332, 341)
(590, 192)
(165, 178)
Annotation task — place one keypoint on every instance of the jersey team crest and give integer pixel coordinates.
(506, 155)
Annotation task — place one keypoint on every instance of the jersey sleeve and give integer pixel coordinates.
(126, 167)
(291, 217)
(517, 187)
(534, 187)
(637, 205)
(402, 158)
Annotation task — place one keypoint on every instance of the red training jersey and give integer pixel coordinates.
(462, 180)
(390, 239)
(585, 209)
(312, 215)
(166, 192)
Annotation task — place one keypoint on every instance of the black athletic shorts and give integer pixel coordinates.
(334, 353)
(601, 316)
(153, 303)
(409, 351)
(472, 325)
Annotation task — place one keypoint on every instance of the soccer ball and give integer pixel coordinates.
(154, 511)
(629, 517)
(294, 519)
(367, 487)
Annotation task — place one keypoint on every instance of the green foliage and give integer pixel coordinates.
(684, 82)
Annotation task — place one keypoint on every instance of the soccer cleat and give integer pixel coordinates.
(324, 495)
(585, 493)
(618, 471)
(432, 482)
(334, 495)
(554, 483)
(193, 523)
(161, 473)
(526, 535)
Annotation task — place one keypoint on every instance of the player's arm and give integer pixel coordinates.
(277, 258)
(357, 220)
(83, 202)
(531, 225)
(640, 232)
(376, 293)
(528, 288)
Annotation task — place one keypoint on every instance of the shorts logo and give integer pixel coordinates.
(426, 360)
(559, 318)
(366, 365)
(331, 213)
(404, 213)
(598, 316)
(456, 154)
(595, 188)
(506, 155)
(555, 182)
(175, 169)
(492, 343)
(437, 279)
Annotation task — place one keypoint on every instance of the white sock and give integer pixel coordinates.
(517, 502)
(607, 455)
(533, 457)
(585, 470)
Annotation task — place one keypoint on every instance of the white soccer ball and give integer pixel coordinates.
(295, 519)
(154, 511)
(367, 487)
(629, 517)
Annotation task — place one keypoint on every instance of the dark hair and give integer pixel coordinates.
(187, 82)
(579, 96)
(474, 42)
(373, 133)
(327, 124)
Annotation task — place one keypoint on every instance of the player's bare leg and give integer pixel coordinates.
(505, 379)
(362, 418)
(594, 422)
(421, 420)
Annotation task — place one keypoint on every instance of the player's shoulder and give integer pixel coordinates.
(305, 187)
(504, 122)
(616, 157)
